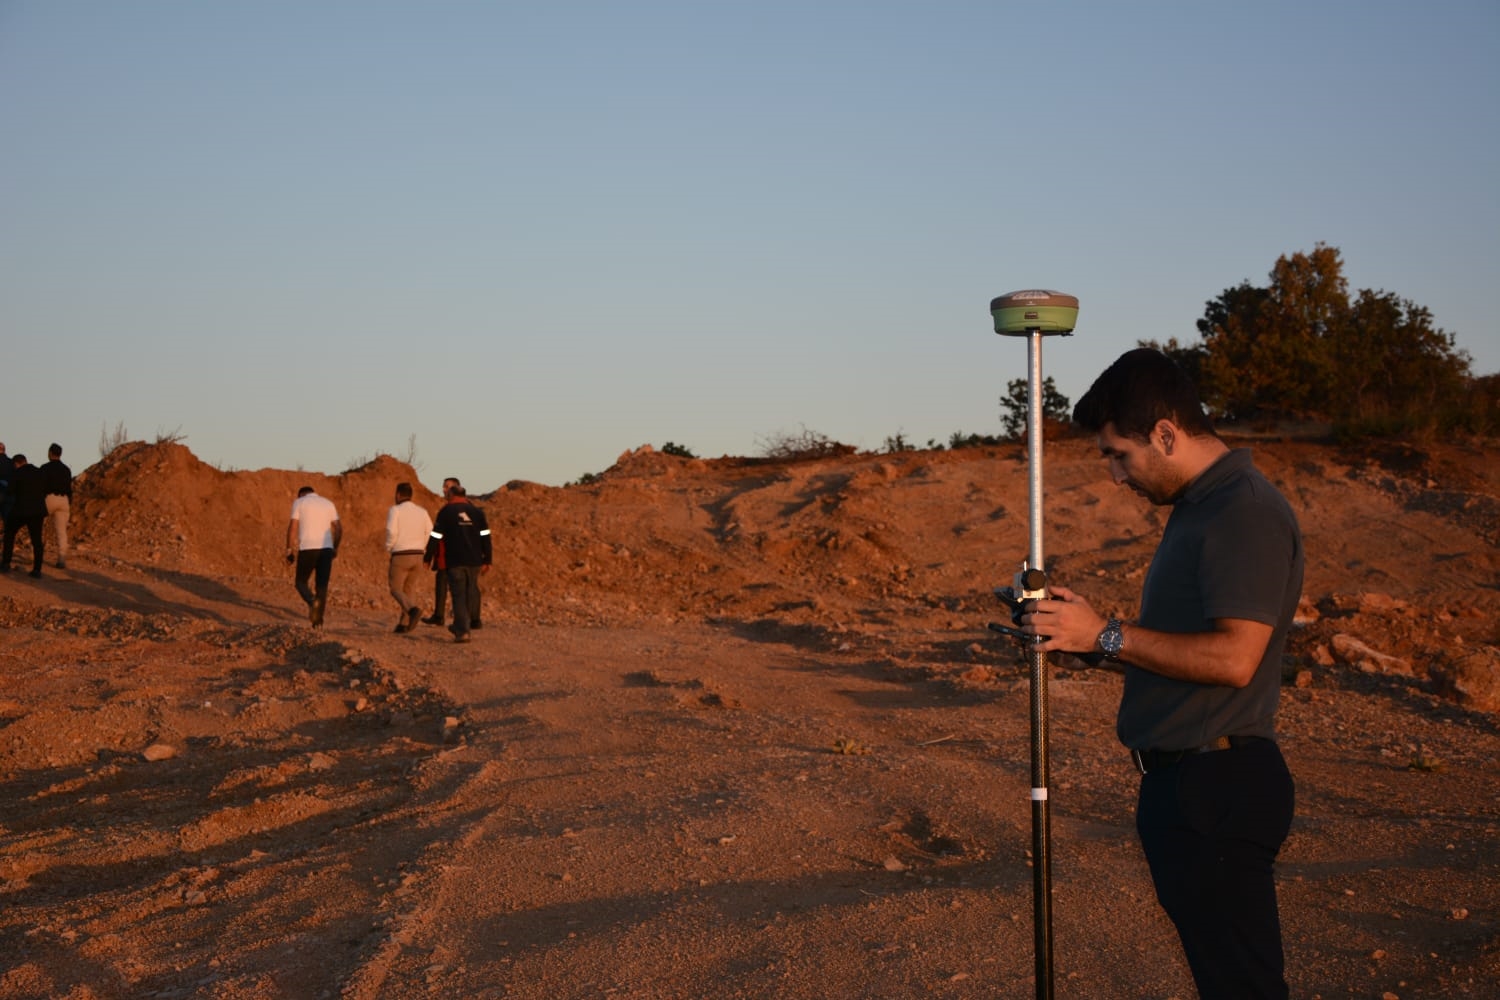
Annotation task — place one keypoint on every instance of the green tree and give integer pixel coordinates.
(1267, 348)
(1392, 366)
(1300, 347)
(1017, 399)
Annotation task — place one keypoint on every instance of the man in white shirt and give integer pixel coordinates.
(312, 540)
(407, 528)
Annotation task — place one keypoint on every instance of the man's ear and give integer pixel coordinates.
(1167, 432)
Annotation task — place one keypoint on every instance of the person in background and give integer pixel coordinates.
(407, 528)
(439, 568)
(1202, 668)
(28, 510)
(59, 483)
(462, 535)
(312, 540)
(7, 469)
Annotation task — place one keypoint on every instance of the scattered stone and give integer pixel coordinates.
(1374, 604)
(159, 751)
(1347, 649)
(1474, 676)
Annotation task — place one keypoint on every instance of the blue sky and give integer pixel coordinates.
(534, 235)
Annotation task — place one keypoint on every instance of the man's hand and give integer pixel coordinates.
(1071, 624)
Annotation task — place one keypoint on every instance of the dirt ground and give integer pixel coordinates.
(730, 729)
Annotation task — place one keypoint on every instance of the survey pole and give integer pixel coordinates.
(1035, 314)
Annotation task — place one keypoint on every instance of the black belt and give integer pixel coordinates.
(1147, 761)
(410, 552)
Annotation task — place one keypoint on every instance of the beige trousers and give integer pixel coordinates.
(404, 571)
(57, 513)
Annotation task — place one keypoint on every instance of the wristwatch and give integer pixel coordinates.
(1112, 639)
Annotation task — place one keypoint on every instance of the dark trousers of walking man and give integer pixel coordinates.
(316, 564)
(33, 526)
(463, 588)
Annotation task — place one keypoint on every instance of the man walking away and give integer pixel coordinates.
(461, 534)
(1202, 669)
(28, 509)
(407, 528)
(312, 540)
(59, 482)
(7, 470)
(439, 570)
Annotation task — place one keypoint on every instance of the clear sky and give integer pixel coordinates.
(534, 235)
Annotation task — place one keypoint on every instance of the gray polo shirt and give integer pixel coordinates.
(1231, 549)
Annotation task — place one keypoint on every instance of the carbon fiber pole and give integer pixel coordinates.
(1035, 581)
(1034, 314)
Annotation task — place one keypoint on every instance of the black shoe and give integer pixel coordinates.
(35, 574)
(432, 620)
(475, 624)
(462, 637)
(4, 569)
(402, 628)
(412, 617)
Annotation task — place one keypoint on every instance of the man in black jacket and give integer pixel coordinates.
(58, 480)
(7, 469)
(461, 540)
(29, 494)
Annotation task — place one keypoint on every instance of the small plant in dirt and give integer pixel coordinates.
(849, 747)
(109, 440)
(680, 451)
(784, 446)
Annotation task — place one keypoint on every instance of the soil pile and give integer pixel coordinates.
(732, 728)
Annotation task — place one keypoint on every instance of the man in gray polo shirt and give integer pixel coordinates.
(1202, 669)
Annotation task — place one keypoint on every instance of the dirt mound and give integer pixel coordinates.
(1401, 541)
(731, 728)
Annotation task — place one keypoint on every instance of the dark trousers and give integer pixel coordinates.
(1211, 827)
(33, 526)
(463, 587)
(440, 595)
(317, 564)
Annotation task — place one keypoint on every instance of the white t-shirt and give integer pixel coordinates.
(407, 527)
(315, 517)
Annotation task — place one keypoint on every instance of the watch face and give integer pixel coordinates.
(1111, 639)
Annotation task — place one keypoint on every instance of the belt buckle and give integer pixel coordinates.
(1139, 759)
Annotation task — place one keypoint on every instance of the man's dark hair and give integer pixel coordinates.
(55, 451)
(1140, 388)
(457, 491)
(403, 490)
(304, 491)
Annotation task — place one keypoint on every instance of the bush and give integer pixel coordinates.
(959, 440)
(786, 447)
(109, 440)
